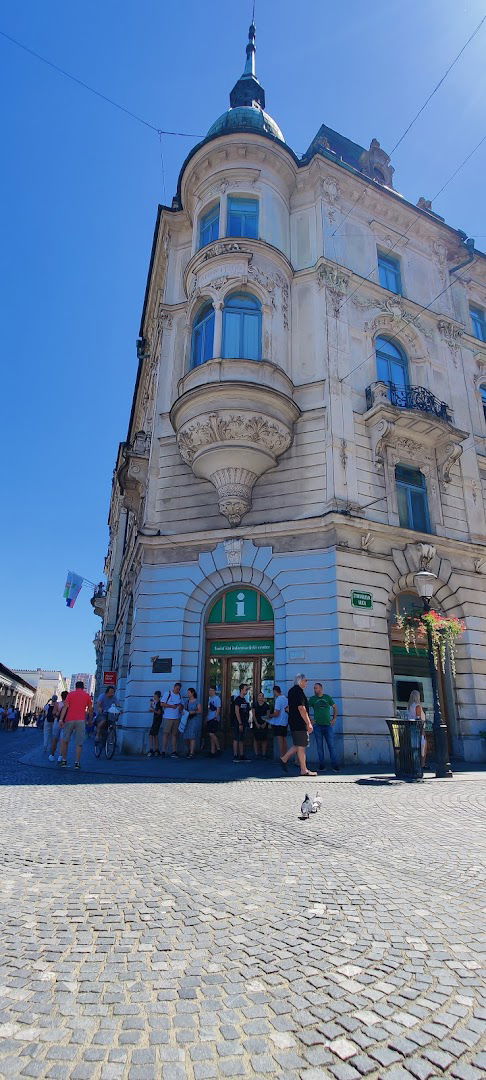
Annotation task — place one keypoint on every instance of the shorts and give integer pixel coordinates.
(300, 737)
(279, 729)
(154, 730)
(260, 734)
(239, 733)
(56, 729)
(212, 727)
(76, 728)
(171, 724)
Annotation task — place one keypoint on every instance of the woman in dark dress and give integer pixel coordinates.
(260, 726)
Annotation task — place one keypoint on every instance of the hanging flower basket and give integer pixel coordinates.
(443, 631)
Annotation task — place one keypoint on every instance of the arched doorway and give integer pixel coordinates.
(410, 671)
(239, 647)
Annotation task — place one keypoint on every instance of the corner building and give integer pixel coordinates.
(307, 430)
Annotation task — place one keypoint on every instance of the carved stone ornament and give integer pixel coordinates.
(232, 549)
(223, 427)
(133, 470)
(426, 555)
(224, 247)
(451, 333)
(164, 318)
(480, 566)
(446, 459)
(367, 541)
(375, 163)
(234, 487)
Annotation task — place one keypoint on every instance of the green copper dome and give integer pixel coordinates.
(246, 118)
(247, 103)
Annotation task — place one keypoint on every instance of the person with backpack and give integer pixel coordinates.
(157, 717)
(50, 715)
(213, 721)
(172, 705)
(56, 727)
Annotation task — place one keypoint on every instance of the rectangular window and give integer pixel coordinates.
(389, 273)
(243, 217)
(209, 226)
(478, 321)
(413, 510)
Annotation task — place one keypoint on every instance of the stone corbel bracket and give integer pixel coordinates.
(447, 456)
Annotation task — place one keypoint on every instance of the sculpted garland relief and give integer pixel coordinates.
(219, 428)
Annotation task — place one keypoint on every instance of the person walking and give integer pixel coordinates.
(192, 730)
(213, 721)
(77, 704)
(172, 706)
(325, 711)
(280, 720)
(51, 712)
(241, 715)
(157, 716)
(261, 728)
(56, 727)
(300, 725)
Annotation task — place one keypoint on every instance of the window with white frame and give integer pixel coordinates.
(478, 322)
(242, 327)
(389, 273)
(242, 217)
(209, 226)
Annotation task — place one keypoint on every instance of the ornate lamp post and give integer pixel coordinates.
(425, 584)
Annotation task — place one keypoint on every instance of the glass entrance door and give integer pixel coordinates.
(226, 673)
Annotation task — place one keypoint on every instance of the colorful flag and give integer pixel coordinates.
(72, 588)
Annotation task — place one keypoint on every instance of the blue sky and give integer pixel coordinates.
(80, 184)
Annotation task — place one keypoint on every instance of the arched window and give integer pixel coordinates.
(391, 364)
(202, 336)
(482, 391)
(242, 327)
(413, 509)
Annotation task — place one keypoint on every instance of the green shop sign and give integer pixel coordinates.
(362, 600)
(237, 648)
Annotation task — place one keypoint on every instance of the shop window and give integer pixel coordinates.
(243, 217)
(413, 508)
(209, 226)
(478, 322)
(389, 273)
(202, 336)
(391, 364)
(242, 327)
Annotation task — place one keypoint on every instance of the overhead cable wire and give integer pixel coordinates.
(419, 113)
(97, 93)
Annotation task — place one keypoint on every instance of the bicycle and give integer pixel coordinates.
(109, 737)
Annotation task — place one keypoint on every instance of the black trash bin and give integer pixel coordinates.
(406, 736)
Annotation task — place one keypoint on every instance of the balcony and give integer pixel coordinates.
(98, 600)
(417, 398)
(233, 420)
(133, 471)
(412, 422)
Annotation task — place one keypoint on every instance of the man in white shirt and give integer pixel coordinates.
(279, 720)
(172, 705)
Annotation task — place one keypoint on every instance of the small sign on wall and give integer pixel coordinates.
(161, 665)
(110, 678)
(362, 600)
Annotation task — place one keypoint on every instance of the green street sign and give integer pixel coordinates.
(238, 648)
(362, 600)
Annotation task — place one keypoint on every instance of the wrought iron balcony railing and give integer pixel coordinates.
(417, 398)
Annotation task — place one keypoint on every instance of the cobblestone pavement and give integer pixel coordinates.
(201, 930)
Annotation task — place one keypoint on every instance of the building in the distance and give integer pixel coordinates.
(88, 680)
(308, 428)
(16, 691)
(46, 683)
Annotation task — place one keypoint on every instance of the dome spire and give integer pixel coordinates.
(248, 91)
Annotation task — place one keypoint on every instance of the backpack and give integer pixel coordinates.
(50, 714)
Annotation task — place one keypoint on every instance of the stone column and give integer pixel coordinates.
(218, 328)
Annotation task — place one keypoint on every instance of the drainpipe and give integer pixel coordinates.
(471, 255)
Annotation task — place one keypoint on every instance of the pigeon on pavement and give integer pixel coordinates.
(306, 809)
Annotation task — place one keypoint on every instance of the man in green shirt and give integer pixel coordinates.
(325, 712)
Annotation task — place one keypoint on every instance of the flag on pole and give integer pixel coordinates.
(72, 588)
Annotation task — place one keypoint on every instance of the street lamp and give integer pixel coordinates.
(425, 583)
